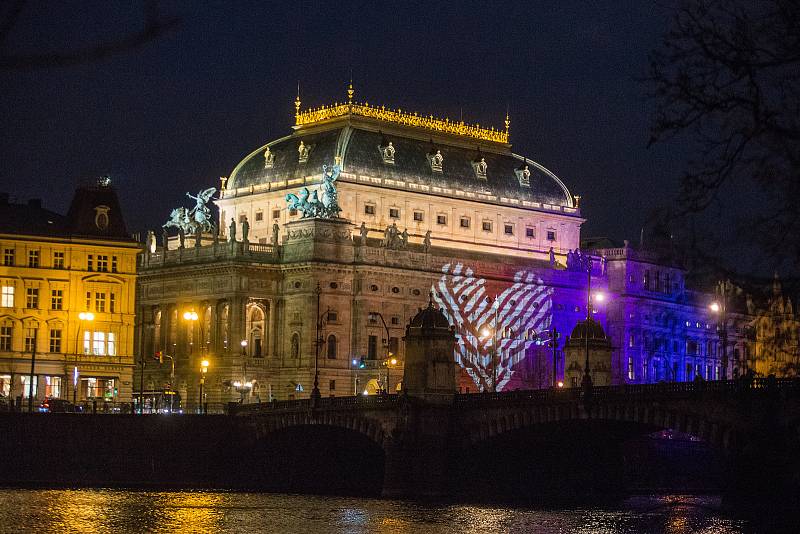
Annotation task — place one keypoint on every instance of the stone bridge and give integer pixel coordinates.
(754, 425)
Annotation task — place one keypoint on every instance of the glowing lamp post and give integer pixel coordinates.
(391, 362)
(191, 318)
(203, 371)
(719, 309)
(87, 317)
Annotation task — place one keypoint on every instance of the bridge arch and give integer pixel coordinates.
(370, 428)
(650, 417)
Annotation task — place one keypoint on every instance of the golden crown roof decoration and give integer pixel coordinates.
(404, 118)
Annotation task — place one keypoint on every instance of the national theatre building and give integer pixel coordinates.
(331, 238)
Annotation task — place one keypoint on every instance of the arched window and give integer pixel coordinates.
(255, 330)
(295, 350)
(332, 347)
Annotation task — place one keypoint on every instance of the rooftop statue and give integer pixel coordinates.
(197, 219)
(308, 202)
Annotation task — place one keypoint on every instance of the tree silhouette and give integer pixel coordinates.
(726, 76)
(155, 25)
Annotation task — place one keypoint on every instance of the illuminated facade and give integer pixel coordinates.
(427, 205)
(68, 287)
(776, 335)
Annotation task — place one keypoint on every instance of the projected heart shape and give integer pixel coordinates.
(525, 306)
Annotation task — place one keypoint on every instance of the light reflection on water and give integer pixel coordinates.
(106, 510)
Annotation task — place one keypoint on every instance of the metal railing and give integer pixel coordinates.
(325, 403)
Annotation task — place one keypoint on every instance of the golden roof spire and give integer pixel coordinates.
(350, 92)
(297, 102)
(508, 121)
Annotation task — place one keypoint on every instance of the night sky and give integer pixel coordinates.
(176, 114)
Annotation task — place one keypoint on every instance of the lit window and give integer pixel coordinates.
(508, 229)
(89, 261)
(88, 300)
(52, 386)
(112, 344)
(100, 302)
(113, 264)
(112, 303)
(551, 235)
(394, 213)
(99, 345)
(33, 258)
(55, 340)
(58, 260)
(32, 297)
(631, 372)
(102, 264)
(26, 386)
(7, 297)
(8, 257)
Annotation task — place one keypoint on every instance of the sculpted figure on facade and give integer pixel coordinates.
(276, 230)
(308, 202)
(232, 231)
(364, 233)
(426, 241)
(197, 219)
(394, 239)
(245, 230)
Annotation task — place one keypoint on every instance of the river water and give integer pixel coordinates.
(111, 510)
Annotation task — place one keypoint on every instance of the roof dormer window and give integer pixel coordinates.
(480, 166)
(524, 176)
(303, 150)
(269, 158)
(436, 160)
(387, 152)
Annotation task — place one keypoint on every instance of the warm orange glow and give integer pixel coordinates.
(714, 307)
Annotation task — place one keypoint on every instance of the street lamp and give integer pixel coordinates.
(191, 316)
(719, 307)
(391, 362)
(82, 316)
(203, 371)
(371, 317)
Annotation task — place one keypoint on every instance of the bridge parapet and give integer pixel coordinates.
(358, 402)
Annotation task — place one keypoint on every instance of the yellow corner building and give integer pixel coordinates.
(67, 289)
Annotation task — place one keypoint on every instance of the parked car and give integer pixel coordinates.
(56, 406)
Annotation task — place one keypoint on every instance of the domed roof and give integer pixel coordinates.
(472, 164)
(594, 329)
(429, 317)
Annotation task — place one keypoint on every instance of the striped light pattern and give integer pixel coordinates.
(521, 311)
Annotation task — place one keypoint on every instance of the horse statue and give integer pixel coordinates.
(311, 205)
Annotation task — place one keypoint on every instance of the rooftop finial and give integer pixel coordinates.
(297, 101)
(350, 91)
(508, 120)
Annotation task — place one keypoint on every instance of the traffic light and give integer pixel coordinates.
(160, 356)
(362, 364)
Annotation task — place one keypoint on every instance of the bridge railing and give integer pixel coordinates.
(637, 391)
(326, 403)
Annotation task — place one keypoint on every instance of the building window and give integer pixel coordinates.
(55, 340)
(508, 229)
(7, 297)
(369, 209)
(292, 212)
(242, 218)
(102, 264)
(418, 216)
(551, 235)
(332, 347)
(394, 345)
(98, 388)
(441, 219)
(112, 344)
(88, 300)
(8, 257)
(333, 316)
(372, 347)
(113, 264)
(57, 299)
(631, 372)
(464, 222)
(395, 320)
(33, 258)
(112, 303)
(30, 338)
(276, 214)
(52, 387)
(26, 386)
(691, 347)
(89, 261)
(6, 334)
(487, 226)
(529, 233)
(99, 343)
(332, 385)
(32, 297)
(58, 260)
(394, 213)
(259, 216)
(99, 302)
